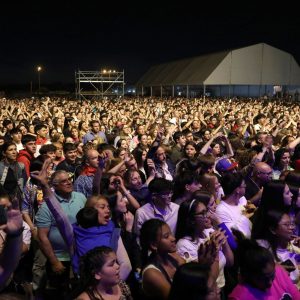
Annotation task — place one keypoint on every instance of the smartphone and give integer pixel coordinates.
(3, 215)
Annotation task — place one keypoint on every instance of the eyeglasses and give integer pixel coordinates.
(202, 214)
(65, 181)
(289, 225)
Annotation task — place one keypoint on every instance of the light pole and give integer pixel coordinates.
(39, 69)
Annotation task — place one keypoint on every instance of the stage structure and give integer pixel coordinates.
(99, 84)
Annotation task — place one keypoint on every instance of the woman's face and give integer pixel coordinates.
(135, 180)
(166, 242)
(285, 159)
(144, 140)
(144, 155)
(11, 153)
(61, 138)
(74, 132)
(287, 196)
(122, 202)
(124, 144)
(285, 228)
(31, 129)
(110, 271)
(122, 154)
(216, 150)
(201, 216)
(206, 135)
(190, 151)
(85, 126)
(59, 122)
(23, 130)
(103, 211)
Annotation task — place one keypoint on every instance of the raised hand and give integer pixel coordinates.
(207, 253)
(42, 176)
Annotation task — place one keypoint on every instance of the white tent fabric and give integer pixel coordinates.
(258, 64)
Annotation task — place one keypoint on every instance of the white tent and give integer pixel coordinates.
(252, 69)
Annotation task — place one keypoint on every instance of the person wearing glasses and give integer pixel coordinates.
(192, 231)
(261, 175)
(160, 206)
(280, 240)
(51, 242)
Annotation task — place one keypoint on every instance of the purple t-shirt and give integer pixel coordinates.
(281, 289)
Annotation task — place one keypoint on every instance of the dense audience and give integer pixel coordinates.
(146, 198)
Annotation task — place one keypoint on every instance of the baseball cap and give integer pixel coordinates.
(225, 164)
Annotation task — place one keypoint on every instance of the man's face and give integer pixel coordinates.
(93, 158)
(63, 183)
(17, 137)
(95, 127)
(160, 154)
(31, 147)
(71, 155)
(42, 132)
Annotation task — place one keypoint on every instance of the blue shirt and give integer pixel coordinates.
(91, 136)
(45, 219)
(84, 185)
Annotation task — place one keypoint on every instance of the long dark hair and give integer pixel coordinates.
(272, 220)
(186, 219)
(252, 259)
(272, 198)
(148, 236)
(190, 282)
(91, 263)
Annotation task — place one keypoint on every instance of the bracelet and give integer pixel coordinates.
(127, 193)
(16, 234)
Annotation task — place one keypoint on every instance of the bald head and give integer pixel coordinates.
(262, 172)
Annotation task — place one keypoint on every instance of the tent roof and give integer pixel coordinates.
(258, 64)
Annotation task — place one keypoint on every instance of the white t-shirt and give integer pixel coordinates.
(232, 216)
(188, 250)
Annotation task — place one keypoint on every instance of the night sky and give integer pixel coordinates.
(63, 36)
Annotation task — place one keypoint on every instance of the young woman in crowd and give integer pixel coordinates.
(160, 267)
(193, 229)
(276, 195)
(282, 162)
(12, 173)
(100, 276)
(279, 235)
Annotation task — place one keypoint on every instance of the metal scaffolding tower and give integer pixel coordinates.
(99, 84)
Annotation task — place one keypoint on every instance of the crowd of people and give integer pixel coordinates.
(147, 198)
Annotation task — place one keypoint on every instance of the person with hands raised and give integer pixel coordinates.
(93, 225)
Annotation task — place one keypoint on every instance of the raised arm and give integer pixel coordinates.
(63, 223)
